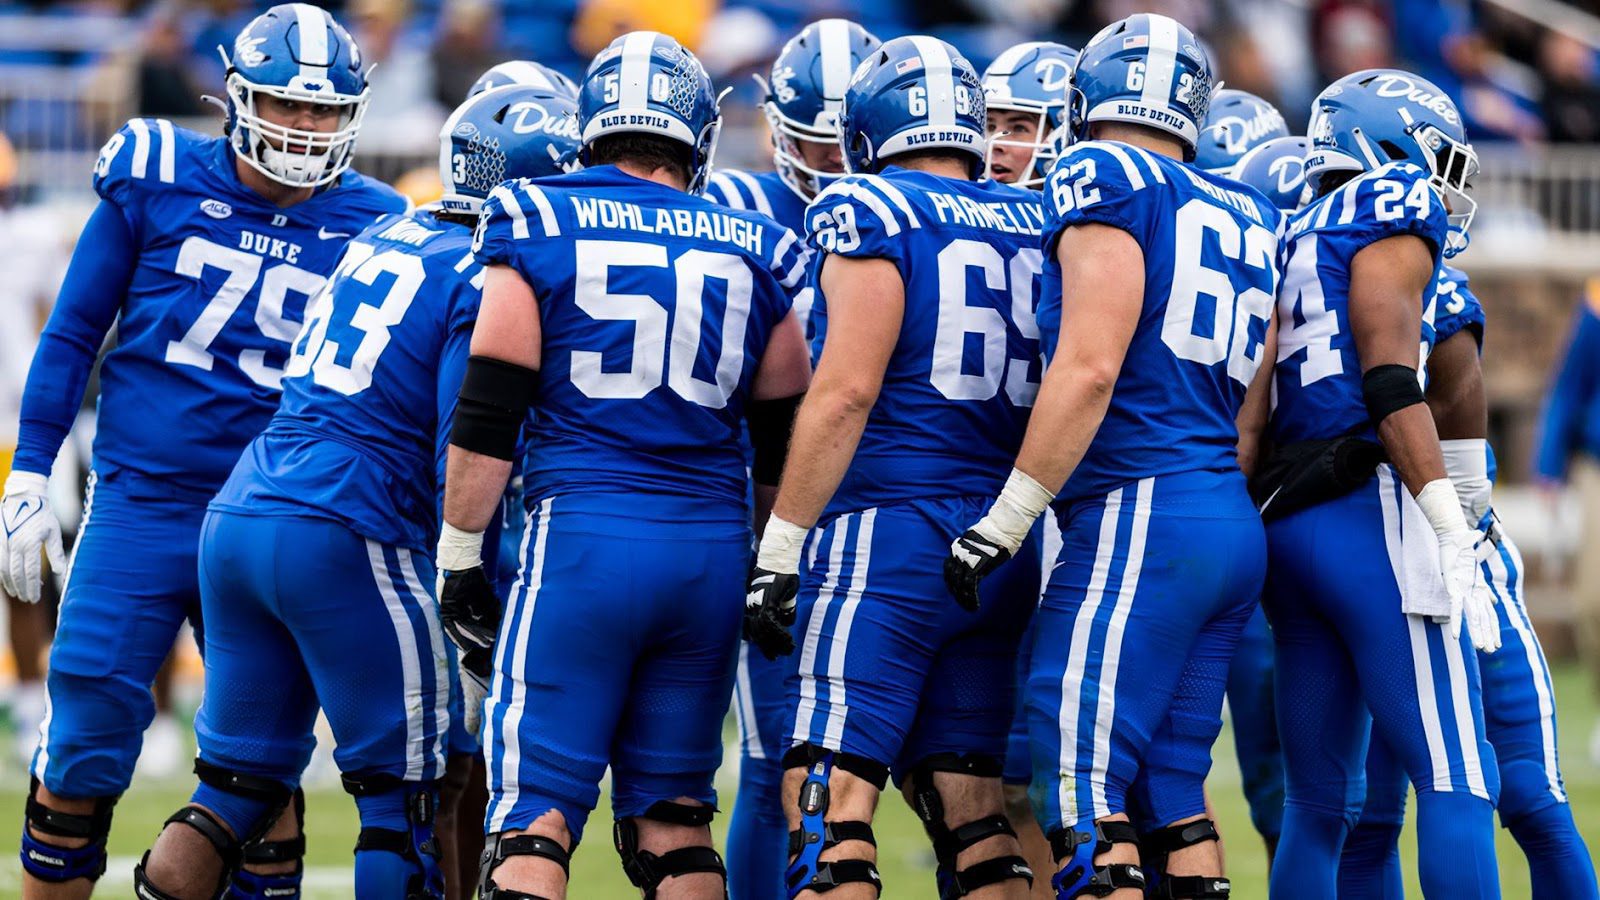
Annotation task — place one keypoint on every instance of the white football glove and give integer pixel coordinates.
(27, 527)
(1460, 556)
(473, 695)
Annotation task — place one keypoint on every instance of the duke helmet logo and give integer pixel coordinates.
(1401, 86)
(780, 84)
(1290, 172)
(216, 209)
(247, 50)
(1054, 74)
(529, 117)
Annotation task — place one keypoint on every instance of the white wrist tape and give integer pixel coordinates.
(1467, 463)
(458, 550)
(20, 482)
(1014, 511)
(781, 544)
(1442, 505)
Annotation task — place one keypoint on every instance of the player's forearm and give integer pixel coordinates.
(1071, 404)
(826, 432)
(473, 486)
(1412, 443)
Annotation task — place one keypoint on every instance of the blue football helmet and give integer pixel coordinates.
(807, 88)
(1377, 116)
(525, 72)
(1146, 70)
(1032, 78)
(295, 52)
(647, 83)
(912, 93)
(1237, 123)
(513, 131)
(1277, 168)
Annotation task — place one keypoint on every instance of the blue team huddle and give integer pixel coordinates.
(984, 446)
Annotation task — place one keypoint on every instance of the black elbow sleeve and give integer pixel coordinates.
(771, 424)
(1388, 389)
(495, 396)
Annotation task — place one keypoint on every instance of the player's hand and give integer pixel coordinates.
(769, 611)
(470, 612)
(1471, 599)
(28, 531)
(972, 557)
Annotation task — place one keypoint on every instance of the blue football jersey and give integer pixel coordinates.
(370, 387)
(1317, 381)
(1456, 307)
(218, 294)
(767, 194)
(1210, 275)
(962, 378)
(655, 307)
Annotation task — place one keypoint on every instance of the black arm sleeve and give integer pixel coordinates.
(495, 396)
(771, 424)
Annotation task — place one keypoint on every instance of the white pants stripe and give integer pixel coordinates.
(1077, 655)
(838, 704)
(410, 663)
(1106, 714)
(1516, 615)
(807, 709)
(511, 661)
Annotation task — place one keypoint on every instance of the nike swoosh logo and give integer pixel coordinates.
(21, 513)
(327, 235)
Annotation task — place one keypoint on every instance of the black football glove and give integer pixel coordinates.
(769, 611)
(470, 612)
(972, 557)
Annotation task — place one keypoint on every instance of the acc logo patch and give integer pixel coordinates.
(216, 209)
(247, 50)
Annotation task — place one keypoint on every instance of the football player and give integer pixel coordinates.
(642, 326)
(922, 391)
(802, 102)
(1276, 168)
(524, 72)
(1518, 697)
(1375, 620)
(1025, 92)
(342, 482)
(1133, 441)
(204, 252)
(1237, 123)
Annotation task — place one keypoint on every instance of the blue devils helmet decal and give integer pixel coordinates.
(298, 53)
(647, 83)
(1032, 78)
(1277, 168)
(1146, 70)
(1238, 122)
(912, 93)
(503, 134)
(524, 72)
(806, 89)
(1375, 117)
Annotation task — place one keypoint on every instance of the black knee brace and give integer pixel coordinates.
(647, 870)
(806, 871)
(1081, 876)
(49, 861)
(1159, 844)
(500, 848)
(417, 845)
(230, 849)
(949, 842)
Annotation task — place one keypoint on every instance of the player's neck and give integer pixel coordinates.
(662, 175)
(935, 165)
(276, 192)
(1141, 137)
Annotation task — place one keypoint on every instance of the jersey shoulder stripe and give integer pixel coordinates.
(739, 190)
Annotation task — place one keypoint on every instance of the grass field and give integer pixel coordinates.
(904, 858)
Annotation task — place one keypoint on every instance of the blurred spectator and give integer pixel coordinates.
(599, 21)
(165, 85)
(1569, 452)
(465, 48)
(1572, 89)
(403, 115)
(1348, 36)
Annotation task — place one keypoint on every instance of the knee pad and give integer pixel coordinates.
(248, 885)
(948, 842)
(416, 844)
(1159, 844)
(500, 848)
(214, 831)
(647, 870)
(47, 860)
(1081, 877)
(806, 870)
